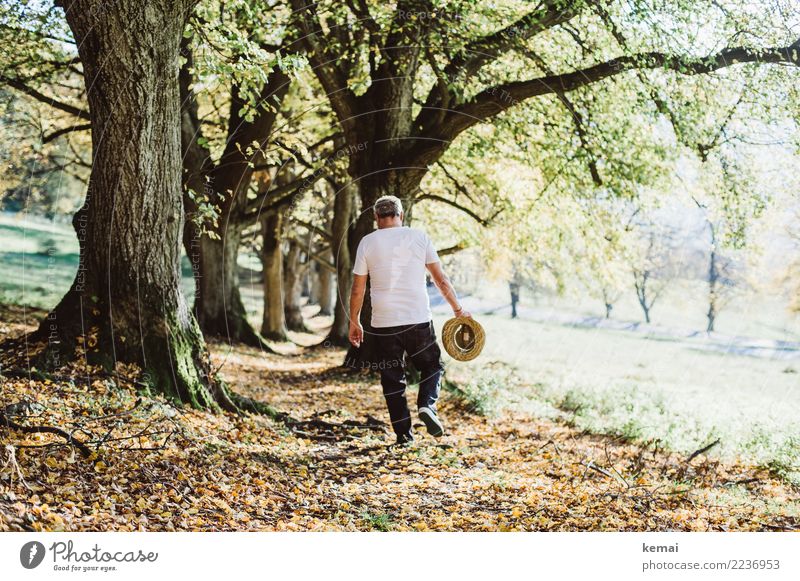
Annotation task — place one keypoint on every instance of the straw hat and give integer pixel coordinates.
(463, 338)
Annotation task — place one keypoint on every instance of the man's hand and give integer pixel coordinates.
(356, 334)
(460, 312)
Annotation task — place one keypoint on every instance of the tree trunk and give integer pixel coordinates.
(273, 323)
(608, 301)
(293, 286)
(312, 283)
(343, 210)
(640, 281)
(713, 278)
(125, 304)
(218, 303)
(196, 165)
(513, 287)
(325, 290)
(363, 356)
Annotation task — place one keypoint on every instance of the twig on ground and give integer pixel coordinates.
(590, 465)
(554, 446)
(9, 423)
(702, 450)
(608, 459)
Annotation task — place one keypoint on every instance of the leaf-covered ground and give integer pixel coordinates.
(330, 467)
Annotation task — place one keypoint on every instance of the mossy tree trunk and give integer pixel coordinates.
(125, 304)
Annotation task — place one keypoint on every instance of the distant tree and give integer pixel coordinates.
(719, 271)
(649, 264)
(513, 287)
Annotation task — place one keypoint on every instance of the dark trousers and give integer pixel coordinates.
(418, 343)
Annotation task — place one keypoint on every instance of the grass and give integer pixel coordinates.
(622, 383)
(39, 259)
(378, 522)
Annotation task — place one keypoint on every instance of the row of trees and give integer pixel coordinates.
(650, 256)
(213, 122)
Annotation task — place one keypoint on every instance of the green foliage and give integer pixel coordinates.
(378, 522)
(488, 391)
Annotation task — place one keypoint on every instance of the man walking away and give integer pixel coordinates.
(395, 257)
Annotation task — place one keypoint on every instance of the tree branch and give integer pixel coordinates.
(64, 130)
(327, 236)
(452, 249)
(494, 100)
(577, 120)
(11, 424)
(41, 97)
(479, 219)
(478, 53)
(497, 99)
(484, 50)
(331, 77)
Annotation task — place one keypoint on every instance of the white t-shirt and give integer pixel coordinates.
(395, 260)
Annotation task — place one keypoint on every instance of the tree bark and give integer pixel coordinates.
(125, 304)
(273, 323)
(325, 290)
(293, 286)
(343, 212)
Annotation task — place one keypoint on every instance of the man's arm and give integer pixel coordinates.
(356, 334)
(446, 288)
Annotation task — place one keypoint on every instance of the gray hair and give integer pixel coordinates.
(388, 206)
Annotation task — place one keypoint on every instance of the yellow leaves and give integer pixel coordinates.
(250, 473)
(222, 505)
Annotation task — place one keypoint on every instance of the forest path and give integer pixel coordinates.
(512, 472)
(332, 468)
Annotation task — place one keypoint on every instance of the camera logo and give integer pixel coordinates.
(31, 554)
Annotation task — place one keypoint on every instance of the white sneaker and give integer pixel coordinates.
(431, 421)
